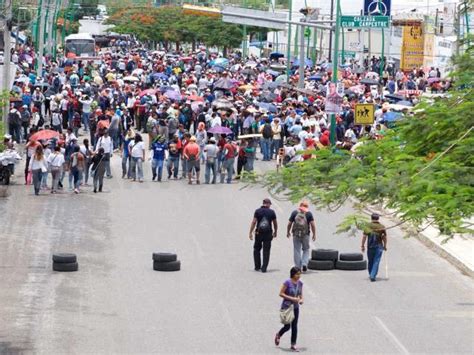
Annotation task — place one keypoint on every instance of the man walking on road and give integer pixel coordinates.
(265, 227)
(376, 238)
(299, 224)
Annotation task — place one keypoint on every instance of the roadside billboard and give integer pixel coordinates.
(413, 43)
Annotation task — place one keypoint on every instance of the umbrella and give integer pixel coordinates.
(222, 103)
(367, 81)
(219, 130)
(404, 103)
(173, 95)
(147, 92)
(349, 92)
(391, 116)
(195, 98)
(248, 72)
(315, 77)
(273, 72)
(195, 105)
(270, 85)
(276, 55)
(269, 107)
(223, 62)
(165, 88)
(372, 75)
(224, 83)
(186, 59)
(131, 78)
(307, 63)
(137, 72)
(281, 79)
(246, 136)
(246, 87)
(433, 80)
(268, 97)
(218, 68)
(278, 67)
(394, 97)
(160, 76)
(45, 134)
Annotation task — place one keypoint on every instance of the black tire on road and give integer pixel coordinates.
(324, 254)
(321, 264)
(164, 257)
(351, 265)
(64, 258)
(65, 266)
(351, 256)
(167, 266)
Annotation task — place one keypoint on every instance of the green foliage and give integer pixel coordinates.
(423, 168)
(170, 24)
(21, 16)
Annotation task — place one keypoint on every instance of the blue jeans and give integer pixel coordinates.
(275, 147)
(157, 168)
(173, 167)
(207, 176)
(228, 165)
(85, 120)
(301, 251)
(374, 255)
(137, 168)
(266, 148)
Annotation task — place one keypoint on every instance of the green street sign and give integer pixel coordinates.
(365, 21)
(307, 32)
(348, 54)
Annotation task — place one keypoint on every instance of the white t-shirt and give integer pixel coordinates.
(137, 149)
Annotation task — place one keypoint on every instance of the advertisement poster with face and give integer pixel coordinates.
(334, 96)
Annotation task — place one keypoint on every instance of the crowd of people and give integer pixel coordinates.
(185, 111)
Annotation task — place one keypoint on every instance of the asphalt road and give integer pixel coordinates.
(116, 303)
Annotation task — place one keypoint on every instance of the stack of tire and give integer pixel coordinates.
(351, 261)
(323, 259)
(166, 262)
(65, 262)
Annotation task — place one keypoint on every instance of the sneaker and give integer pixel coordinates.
(372, 279)
(295, 349)
(76, 191)
(305, 268)
(277, 339)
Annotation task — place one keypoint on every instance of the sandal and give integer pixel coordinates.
(277, 339)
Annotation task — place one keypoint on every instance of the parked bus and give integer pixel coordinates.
(79, 45)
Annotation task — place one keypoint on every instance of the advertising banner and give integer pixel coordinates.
(413, 43)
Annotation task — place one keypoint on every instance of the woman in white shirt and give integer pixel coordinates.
(137, 152)
(37, 167)
(55, 163)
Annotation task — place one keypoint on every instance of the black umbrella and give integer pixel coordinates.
(394, 97)
(369, 81)
(248, 72)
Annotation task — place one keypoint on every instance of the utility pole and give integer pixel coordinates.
(330, 32)
(7, 60)
(335, 67)
(288, 46)
(39, 70)
(302, 58)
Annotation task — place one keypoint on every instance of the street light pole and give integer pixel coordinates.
(302, 58)
(39, 70)
(335, 67)
(288, 47)
(7, 60)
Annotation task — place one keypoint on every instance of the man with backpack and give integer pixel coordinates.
(300, 224)
(267, 137)
(376, 238)
(264, 225)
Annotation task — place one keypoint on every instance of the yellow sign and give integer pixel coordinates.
(364, 114)
(413, 44)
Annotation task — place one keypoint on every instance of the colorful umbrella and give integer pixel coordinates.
(173, 95)
(148, 92)
(45, 134)
(160, 76)
(247, 87)
(195, 98)
(224, 62)
(220, 130)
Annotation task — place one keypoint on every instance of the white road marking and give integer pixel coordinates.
(392, 336)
